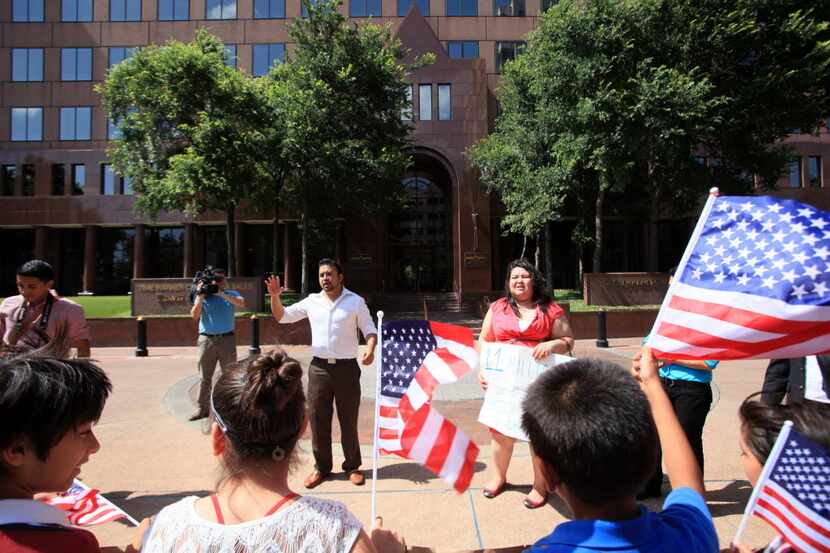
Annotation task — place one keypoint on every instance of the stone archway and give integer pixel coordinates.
(419, 240)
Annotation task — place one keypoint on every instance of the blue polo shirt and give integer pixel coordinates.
(217, 314)
(684, 524)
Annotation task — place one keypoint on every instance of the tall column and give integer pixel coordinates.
(239, 246)
(188, 250)
(138, 251)
(41, 237)
(90, 256)
(289, 255)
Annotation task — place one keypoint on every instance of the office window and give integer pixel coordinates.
(27, 10)
(462, 49)
(125, 10)
(8, 174)
(78, 179)
(27, 64)
(404, 5)
(269, 9)
(444, 102)
(507, 51)
(75, 123)
(462, 7)
(117, 54)
(58, 179)
(27, 124)
(220, 9)
(265, 55)
(76, 10)
(794, 173)
(814, 171)
(364, 8)
(113, 132)
(230, 55)
(509, 8)
(173, 10)
(28, 174)
(700, 161)
(107, 180)
(548, 4)
(406, 111)
(425, 102)
(76, 64)
(126, 186)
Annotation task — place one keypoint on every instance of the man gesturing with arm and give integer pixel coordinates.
(335, 314)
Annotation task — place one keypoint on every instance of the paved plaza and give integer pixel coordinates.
(151, 456)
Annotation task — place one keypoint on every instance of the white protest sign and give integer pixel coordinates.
(509, 370)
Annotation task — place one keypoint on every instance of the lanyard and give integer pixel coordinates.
(44, 318)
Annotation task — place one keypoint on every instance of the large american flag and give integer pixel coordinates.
(754, 283)
(795, 496)
(416, 357)
(86, 506)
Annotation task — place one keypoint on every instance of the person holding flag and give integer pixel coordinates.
(48, 407)
(761, 426)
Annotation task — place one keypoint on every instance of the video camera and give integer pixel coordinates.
(209, 278)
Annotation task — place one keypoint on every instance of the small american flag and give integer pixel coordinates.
(86, 506)
(794, 494)
(416, 357)
(754, 283)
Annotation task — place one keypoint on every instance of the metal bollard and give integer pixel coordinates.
(254, 349)
(602, 334)
(141, 338)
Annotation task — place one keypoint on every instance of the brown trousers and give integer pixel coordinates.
(338, 384)
(211, 350)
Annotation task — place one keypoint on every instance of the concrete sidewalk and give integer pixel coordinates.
(151, 456)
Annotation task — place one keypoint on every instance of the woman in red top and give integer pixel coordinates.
(526, 316)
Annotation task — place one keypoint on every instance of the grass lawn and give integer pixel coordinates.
(102, 307)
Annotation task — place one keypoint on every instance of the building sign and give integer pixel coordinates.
(475, 260)
(625, 288)
(171, 296)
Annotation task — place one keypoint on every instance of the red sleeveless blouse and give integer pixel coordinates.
(505, 324)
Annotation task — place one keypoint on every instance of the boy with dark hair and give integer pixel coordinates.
(48, 407)
(31, 319)
(595, 432)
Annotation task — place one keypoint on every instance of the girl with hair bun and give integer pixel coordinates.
(258, 411)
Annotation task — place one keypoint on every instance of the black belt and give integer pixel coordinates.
(216, 335)
(334, 360)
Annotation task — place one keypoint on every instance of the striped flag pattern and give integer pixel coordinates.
(795, 497)
(416, 358)
(86, 506)
(754, 283)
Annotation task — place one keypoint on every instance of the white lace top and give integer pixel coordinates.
(308, 525)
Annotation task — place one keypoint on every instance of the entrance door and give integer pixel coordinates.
(420, 254)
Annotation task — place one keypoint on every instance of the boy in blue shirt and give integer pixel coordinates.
(595, 432)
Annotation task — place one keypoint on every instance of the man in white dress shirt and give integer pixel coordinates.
(335, 314)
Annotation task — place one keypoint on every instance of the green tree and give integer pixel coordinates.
(191, 131)
(341, 92)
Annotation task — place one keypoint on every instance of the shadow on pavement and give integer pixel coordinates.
(729, 500)
(143, 506)
(410, 471)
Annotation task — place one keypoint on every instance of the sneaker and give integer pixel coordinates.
(198, 415)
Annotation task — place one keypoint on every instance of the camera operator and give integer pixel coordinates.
(214, 306)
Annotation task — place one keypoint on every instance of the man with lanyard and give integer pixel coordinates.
(335, 315)
(32, 318)
(216, 315)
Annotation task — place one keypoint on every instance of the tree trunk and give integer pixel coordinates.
(304, 258)
(230, 235)
(538, 253)
(580, 267)
(524, 246)
(276, 263)
(596, 265)
(549, 256)
(653, 246)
